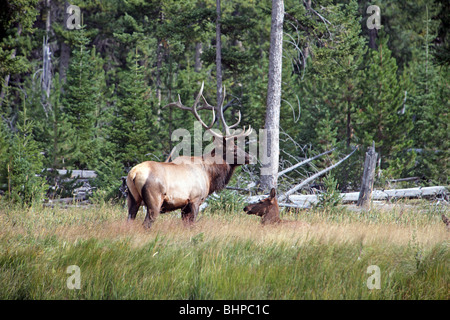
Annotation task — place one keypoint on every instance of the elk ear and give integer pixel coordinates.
(273, 193)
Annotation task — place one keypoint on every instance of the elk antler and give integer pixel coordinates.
(207, 106)
(194, 109)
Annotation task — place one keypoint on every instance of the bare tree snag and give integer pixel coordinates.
(318, 174)
(269, 170)
(295, 166)
(218, 56)
(370, 163)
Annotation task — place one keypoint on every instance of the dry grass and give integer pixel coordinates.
(224, 256)
(110, 223)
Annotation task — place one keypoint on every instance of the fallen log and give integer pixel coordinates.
(90, 174)
(67, 200)
(288, 193)
(404, 179)
(306, 201)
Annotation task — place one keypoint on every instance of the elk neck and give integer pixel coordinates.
(272, 215)
(219, 175)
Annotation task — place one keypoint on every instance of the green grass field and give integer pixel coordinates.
(226, 255)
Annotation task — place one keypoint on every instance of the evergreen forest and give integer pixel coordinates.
(83, 85)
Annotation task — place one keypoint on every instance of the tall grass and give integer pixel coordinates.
(229, 256)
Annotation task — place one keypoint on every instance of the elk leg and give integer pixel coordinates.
(189, 213)
(185, 214)
(150, 217)
(133, 207)
(152, 214)
(153, 207)
(194, 211)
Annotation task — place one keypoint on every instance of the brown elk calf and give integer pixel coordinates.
(269, 210)
(446, 221)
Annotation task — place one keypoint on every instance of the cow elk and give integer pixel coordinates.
(186, 182)
(269, 210)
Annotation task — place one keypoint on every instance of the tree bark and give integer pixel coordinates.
(365, 194)
(159, 61)
(373, 33)
(8, 76)
(197, 58)
(269, 169)
(218, 56)
(64, 55)
(46, 62)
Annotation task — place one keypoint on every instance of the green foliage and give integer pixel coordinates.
(56, 132)
(4, 157)
(15, 18)
(331, 197)
(228, 201)
(441, 52)
(383, 116)
(108, 181)
(429, 107)
(134, 126)
(25, 168)
(131, 58)
(83, 99)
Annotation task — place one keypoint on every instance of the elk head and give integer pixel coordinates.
(267, 208)
(224, 147)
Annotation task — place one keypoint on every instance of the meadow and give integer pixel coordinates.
(225, 255)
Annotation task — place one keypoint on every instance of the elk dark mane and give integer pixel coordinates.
(220, 175)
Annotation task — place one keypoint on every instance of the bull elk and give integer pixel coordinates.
(269, 211)
(186, 182)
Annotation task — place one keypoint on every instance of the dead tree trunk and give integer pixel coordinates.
(159, 62)
(8, 76)
(269, 169)
(197, 57)
(373, 33)
(64, 56)
(365, 194)
(219, 57)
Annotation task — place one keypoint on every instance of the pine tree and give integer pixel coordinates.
(382, 116)
(4, 157)
(133, 129)
(26, 184)
(83, 96)
(328, 74)
(332, 61)
(56, 138)
(326, 132)
(429, 104)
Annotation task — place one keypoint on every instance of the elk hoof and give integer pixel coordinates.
(147, 224)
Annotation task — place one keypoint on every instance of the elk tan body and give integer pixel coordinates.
(187, 181)
(177, 184)
(182, 184)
